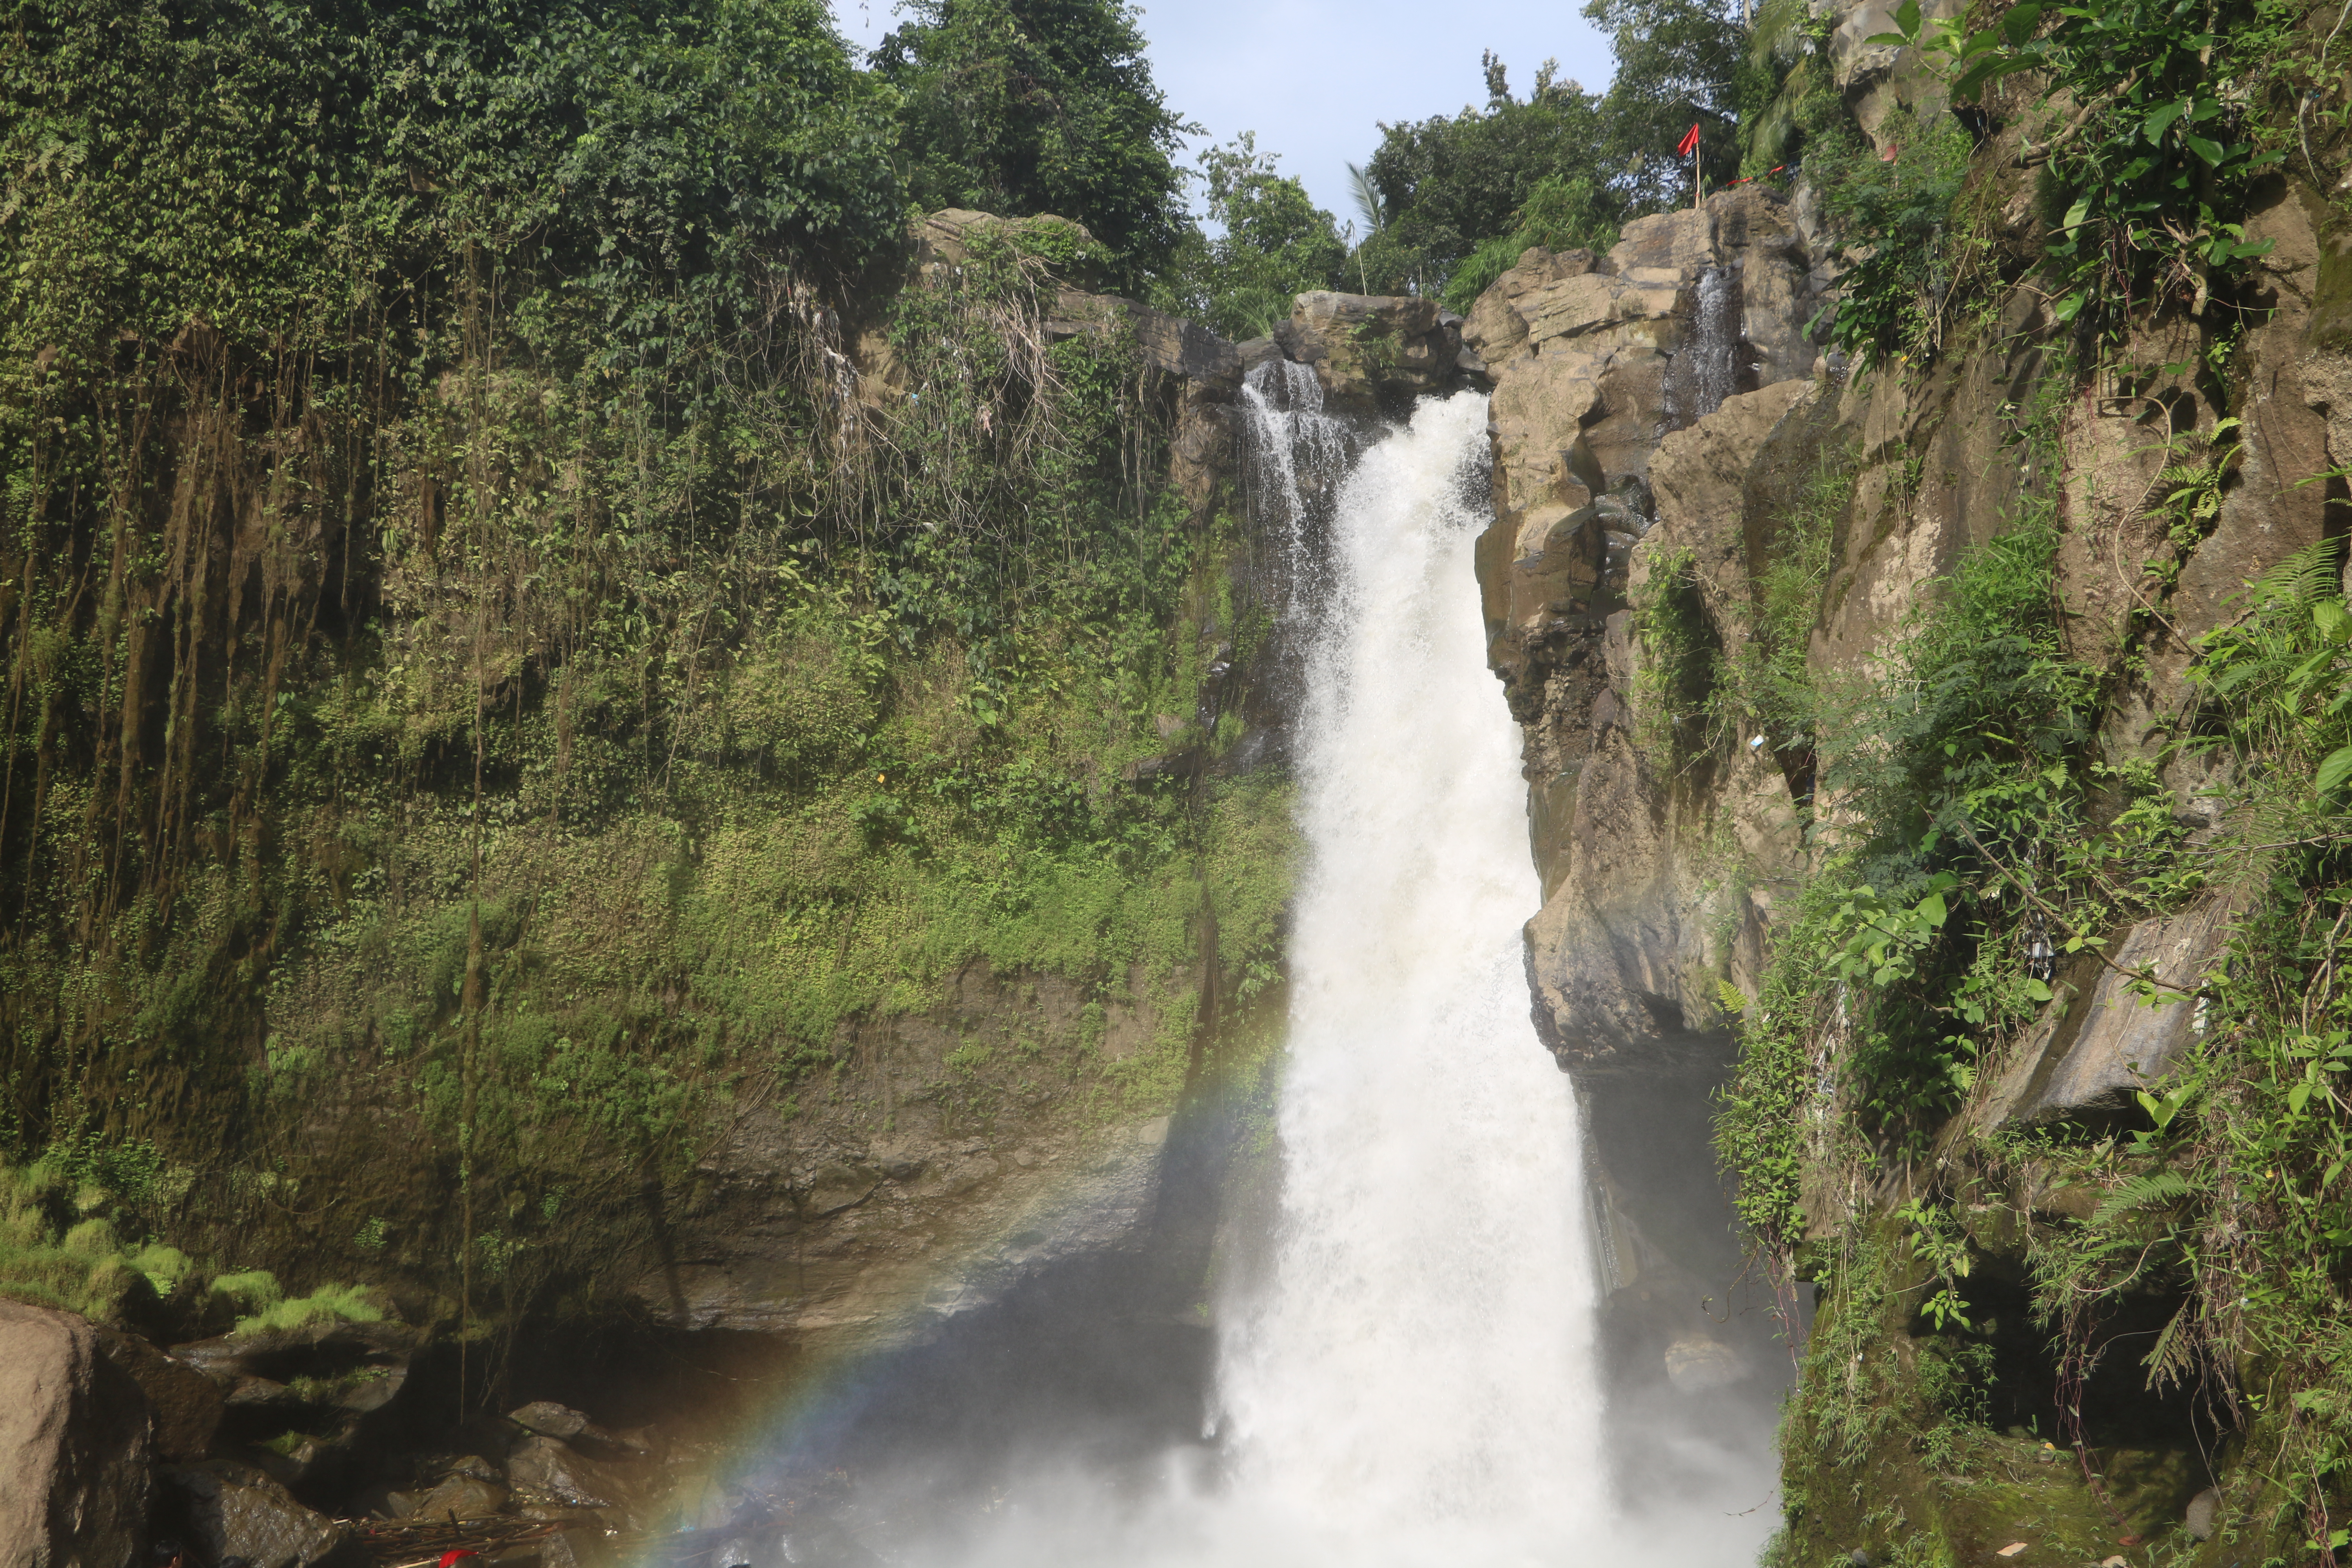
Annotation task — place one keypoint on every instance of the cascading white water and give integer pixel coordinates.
(1417, 1375)
(1294, 448)
(1412, 1382)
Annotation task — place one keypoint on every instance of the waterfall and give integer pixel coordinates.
(1295, 453)
(1410, 1379)
(1705, 371)
(1417, 1376)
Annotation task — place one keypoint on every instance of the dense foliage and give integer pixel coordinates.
(488, 683)
(1978, 858)
(1452, 200)
(1273, 243)
(1019, 107)
(2148, 175)
(1447, 183)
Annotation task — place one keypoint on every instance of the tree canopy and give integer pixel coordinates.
(1021, 107)
(1447, 183)
(1679, 63)
(1274, 243)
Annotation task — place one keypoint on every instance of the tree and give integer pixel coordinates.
(1275, 243)
(1679, 63)
(1021, 106)
(1447, 183)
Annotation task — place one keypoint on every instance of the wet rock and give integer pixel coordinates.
(235, 1510)
(74, 1446)
(461, 1497)
(1696, 1366)
(186, 1405)
(576, 1546)
(550, 1419)
(354, 1367)
(2204, 1511)
(557, 1473)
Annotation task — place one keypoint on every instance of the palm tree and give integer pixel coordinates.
(1367, 200)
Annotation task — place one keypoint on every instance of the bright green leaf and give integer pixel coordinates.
(2333, 769)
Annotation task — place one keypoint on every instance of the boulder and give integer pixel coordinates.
(2091, 1057)
(460, 1497)
(1371, 351)
(235, 1510)
(550, 1419)
(349, 1369)
(558, 1473)
(1700, 1365)
(1496, 328)
(74, 1446)
(186, 1405)
(576, 1546)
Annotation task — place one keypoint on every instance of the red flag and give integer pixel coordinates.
(1688, 143)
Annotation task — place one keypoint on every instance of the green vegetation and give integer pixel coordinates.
(60, 1246)
(1446, 184)
(488, 686)
(1678, 63)
(1276, 244)
(2153, 124)
(1978, 858)
(1907, 251)
(1560, 214)
(1019, 107)
(1450, 202)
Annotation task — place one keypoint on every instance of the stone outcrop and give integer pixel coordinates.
(2116, 1036)
(74, 1449)
(1639, 921)
(186, 1405)
(1373, 353)
(944, 1166)
(1636, 398)
(226, 1509)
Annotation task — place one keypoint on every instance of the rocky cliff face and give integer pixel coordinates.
(1661, 420)
(954, 1155)
(1633, 394)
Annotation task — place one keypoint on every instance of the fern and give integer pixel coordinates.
(2147, 1191)
(2175, 1355)
(2310, 574)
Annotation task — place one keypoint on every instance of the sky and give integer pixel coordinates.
(1313, 78)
